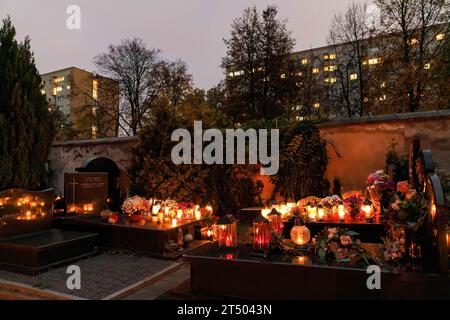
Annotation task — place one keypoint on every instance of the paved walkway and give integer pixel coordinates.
(160, 288)
(102, 276)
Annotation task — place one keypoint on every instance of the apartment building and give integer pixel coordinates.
(88, 102)
(335, 79)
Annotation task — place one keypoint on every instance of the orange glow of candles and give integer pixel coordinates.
(265, 213)
(179, 214)
(341, 212)
(367, 209)
(284, 210)
(174, 222)
(321, 213)
(198, 214)
(312, 213)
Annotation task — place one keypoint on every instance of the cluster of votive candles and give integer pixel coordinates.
(169, 213)
(32, 208)
(315, 213)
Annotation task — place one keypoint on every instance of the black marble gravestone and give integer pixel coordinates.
(27, 242)
(85, 193)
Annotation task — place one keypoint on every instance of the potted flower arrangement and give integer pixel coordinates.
(340, 245)
(405, 216)
(135, 207)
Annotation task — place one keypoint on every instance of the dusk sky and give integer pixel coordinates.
(188, 29)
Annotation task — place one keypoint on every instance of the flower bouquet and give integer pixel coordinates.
(405, 216)
(352, 202)
(377, 186)
(331, 203)
(340, 245)
(135, 207)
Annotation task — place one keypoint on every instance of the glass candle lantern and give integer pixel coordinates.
(367, 210)
(341, 213)
(198, 213)
(312, 213)
(275, 222)
(227, 231)
(321, 213)
(300, 234)
(261, 234)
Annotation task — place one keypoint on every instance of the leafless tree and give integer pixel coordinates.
(415, 30)
(138, 72)
(349, 36)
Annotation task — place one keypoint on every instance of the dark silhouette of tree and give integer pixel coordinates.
(26, 124)
(257, 65)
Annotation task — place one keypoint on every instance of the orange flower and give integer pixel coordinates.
(346, 240)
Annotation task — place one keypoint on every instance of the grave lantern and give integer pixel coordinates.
(261, 234)
(300, 234)
(275, 222)
(227, 231)
(367, 210)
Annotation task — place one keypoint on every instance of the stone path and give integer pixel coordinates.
(101, 276)
(160, 288)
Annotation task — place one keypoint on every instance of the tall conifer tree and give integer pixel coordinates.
(26, 126)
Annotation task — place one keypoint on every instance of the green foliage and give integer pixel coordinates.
(337, 187)
(226, 187)
(26, 126)
(399, 162)
(303, 163)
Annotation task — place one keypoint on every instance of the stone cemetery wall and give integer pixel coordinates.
(362, 145)
(67, 156)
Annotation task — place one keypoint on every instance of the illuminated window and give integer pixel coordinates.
(315, 70)
(95, 89)
(332, 56)
(299, 118)
(427, 66)
(373, 61)
(43, 92)
(354, 76)
(316, 105)
(231, 74)
(330, 80)
(413, 41)
(94, 110)
(366, 99)
(299, 74)
(383, 85)
(260, 68)
(283, 76)
(440, 37)
(68, 87)
(383, 97)
(58, 79)
(304, 61)
(332, 68)
(326, 56)
(94, 131)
